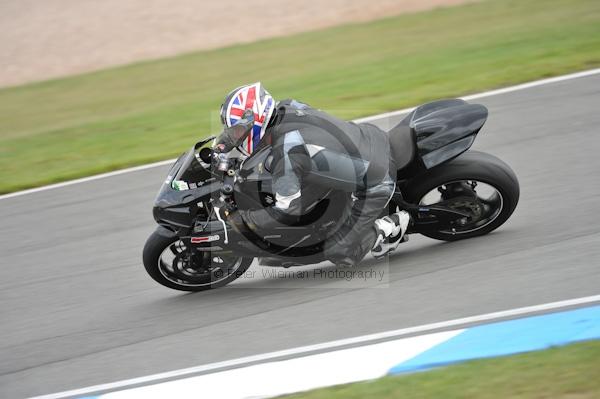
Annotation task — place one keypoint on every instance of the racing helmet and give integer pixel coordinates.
(255, 97)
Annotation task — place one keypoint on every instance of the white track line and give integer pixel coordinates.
(367, 119)
(300, 351)
(496, 92)
(86, 179)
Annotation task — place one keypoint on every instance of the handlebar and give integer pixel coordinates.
(223, 163)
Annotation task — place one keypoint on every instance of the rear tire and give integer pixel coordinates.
(475, 166)
(160, 241)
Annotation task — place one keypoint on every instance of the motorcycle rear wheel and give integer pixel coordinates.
(458, 183)
(166, 260)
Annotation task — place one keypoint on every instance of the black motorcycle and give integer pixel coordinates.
(450, 193)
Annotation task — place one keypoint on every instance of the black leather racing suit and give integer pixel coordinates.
(313, 149)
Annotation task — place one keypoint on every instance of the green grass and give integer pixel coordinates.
(67, 128)
(569, 372)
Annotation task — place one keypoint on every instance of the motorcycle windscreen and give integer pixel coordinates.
(193, 171)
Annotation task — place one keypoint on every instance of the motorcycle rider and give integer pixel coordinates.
(313, 150)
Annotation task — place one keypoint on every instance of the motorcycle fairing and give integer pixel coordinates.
(175, 207)
(444, 129)
(178, 208)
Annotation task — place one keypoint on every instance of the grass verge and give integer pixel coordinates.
(568, 372)
(81, 125)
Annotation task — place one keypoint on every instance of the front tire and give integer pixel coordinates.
(166, 261)
(471, 166)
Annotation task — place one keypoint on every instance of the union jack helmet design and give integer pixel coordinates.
(256, 98)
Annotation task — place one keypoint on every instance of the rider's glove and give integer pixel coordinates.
(233, 136)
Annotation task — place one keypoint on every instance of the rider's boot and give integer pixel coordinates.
(390, 233)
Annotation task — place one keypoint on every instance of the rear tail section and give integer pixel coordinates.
(440, 130)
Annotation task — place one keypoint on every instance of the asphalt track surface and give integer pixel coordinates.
(77, 308)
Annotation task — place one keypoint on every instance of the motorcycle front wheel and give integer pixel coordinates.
(167, 260)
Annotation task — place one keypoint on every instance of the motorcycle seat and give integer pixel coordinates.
(403, 144)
